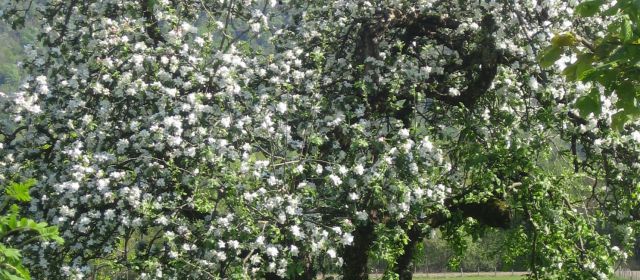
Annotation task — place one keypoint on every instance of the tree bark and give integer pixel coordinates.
(356, 256)
(151, 22)
(404, 263)
(309, 272)
(272, 276)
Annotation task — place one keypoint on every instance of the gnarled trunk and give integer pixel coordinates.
(404, 263)
(356, 256)
(309, 273)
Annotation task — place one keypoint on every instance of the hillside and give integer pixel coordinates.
(10, 54)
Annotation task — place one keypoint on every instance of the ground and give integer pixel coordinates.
(491, 277)
(473, 278)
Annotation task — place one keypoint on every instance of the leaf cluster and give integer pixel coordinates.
(610, 61)
(13, 225)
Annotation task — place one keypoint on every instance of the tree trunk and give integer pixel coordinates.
(404, 263)
(272, 276)
(356, 256)
(309, 273)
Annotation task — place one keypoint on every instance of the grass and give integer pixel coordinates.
(458, 277)
(473, 278)
(485, 278)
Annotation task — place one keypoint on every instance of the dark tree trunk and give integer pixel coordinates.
(272, 276)
(151, 23)
(309, 273)
(404, 263)
(356, 256)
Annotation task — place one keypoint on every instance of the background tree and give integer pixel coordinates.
(601, 60)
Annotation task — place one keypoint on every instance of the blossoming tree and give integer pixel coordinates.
(286, 139)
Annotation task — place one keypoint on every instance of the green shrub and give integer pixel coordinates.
(12, 225)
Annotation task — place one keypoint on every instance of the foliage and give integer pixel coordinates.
(12, 225)
(288, 139)
(487, 253)
(608, 59)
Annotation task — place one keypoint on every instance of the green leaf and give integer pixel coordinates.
(11, 259)
(626, 30)
(628, 101)
(549, 56)
(589, 8)
(51, 233)
(10, 253)
(9, 276)
(20, 191)
(602, 74)
(584, 64)
(589, 104)
(571, 72)
(619, 119)
(579, 69)
(12, 220)
(23, 273)
(612, 10)
(566, 39)
(627, 93)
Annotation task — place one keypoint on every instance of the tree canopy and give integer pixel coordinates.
(263, 139)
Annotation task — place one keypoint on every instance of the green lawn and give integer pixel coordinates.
(456, 277)
(473, 278)
(485, 278)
